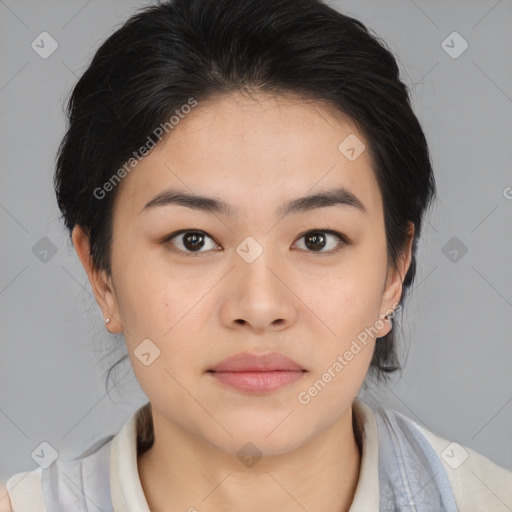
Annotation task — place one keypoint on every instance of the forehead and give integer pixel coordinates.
(271, 147)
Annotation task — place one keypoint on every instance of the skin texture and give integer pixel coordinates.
(254, 152)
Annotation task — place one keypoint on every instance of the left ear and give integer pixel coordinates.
(394, 282)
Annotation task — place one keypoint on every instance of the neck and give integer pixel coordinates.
(181, 472)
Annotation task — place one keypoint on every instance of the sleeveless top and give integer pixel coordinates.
(411, 475)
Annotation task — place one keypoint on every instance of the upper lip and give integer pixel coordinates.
(247, 362)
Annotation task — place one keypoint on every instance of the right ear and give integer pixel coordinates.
(101, 283)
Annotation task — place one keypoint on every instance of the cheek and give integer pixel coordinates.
(331, 391)
(350, 300)
(349, 306)
(167, 309)
(143, 303)
(343, 355)
(151, 295)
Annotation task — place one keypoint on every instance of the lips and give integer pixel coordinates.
(257, 374)
(246, 362)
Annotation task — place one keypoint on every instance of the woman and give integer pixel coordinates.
(244, 183)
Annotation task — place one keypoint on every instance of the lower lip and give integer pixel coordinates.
(258, 382)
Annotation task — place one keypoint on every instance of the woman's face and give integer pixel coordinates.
(255, 280)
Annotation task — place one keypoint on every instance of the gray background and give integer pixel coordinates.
(457, 350)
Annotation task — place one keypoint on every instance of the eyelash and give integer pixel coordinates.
(343, 240)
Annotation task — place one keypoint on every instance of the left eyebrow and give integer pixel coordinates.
(334, 197)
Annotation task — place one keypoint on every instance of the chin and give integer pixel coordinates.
(258, 436)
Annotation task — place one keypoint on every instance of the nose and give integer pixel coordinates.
(258, 296)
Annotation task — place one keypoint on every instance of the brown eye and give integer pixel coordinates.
(191, 241)
(317, 241)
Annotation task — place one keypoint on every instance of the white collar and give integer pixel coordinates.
(127, 493)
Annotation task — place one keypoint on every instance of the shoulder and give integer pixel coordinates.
(44, 489)
(477, 482)
(23, 492)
